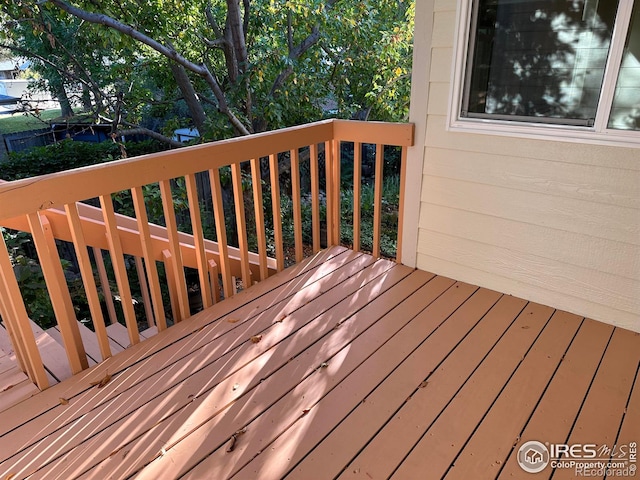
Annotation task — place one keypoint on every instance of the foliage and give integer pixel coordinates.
(225, 67)
(69, 154)
(31, 279)
(389, 216)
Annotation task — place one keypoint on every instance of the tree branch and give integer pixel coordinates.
(202, 70)
(294, 55)
(149, 133)
(289, 32)
(46, 61)
(245, 20)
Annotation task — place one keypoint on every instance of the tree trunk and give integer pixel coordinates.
(61, 94)
(189, 94)
(87, 104)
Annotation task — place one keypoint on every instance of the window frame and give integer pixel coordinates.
(598, 133)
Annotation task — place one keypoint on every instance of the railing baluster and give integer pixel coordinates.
(275, 206)
(137, 195)
(256, 180)
(329, 191)
(174, 248)
(357, 189)
(377, 201)
(337, 214)
(221, 232)
(315, 196)
(58, 291)
(144, 291)
(297, 207)
(16, 340)
(213, 275)
(170, 273)
(104, 285)
(198, 240)
(119, 268)
(403, 179)
(86, 271)
(14, 315)
(238, 196)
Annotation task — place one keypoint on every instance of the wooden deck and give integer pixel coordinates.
(338, 367)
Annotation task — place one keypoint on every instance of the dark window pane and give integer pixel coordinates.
(542, 59)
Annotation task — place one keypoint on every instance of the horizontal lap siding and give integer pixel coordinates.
(554, 222)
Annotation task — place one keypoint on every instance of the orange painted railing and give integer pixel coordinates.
(50, 209)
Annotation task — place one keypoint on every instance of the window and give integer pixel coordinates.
(552, 63)
(625, 112)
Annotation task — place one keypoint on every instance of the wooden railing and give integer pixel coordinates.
(52, 209)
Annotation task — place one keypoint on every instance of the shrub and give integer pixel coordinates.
(69, 154)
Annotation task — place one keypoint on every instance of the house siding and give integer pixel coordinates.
(550, 221)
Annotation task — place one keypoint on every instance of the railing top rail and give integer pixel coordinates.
(385, 133)
(25, 196)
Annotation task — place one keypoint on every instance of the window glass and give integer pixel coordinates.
(625, 111)
(540, 61)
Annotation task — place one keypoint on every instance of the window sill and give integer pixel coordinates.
(537, 131)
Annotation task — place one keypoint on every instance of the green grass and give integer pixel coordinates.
(21, 122)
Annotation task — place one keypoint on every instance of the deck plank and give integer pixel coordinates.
(488, 448)
(118, 333)
(555, 414)
(90, 342)
(363, 364)
(124, 394)
(207, 364)
(341, 367)
(273, 290)
(447, 430)
(433, 341)
(17, 388)
(631, 423)
(343, 444)
(603, 409)
(53, 355)
(245, 390)
(6, 363)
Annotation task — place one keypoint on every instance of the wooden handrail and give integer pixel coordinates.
(51, 208)
(94, 231)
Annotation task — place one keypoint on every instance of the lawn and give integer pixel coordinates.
(22, 122)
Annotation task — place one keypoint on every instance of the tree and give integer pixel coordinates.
(233, 67)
